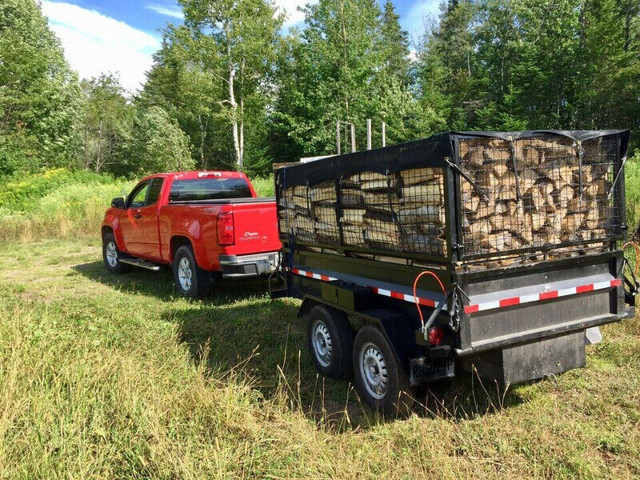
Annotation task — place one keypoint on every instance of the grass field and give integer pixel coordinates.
(114, 377)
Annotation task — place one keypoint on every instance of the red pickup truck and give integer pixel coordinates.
(206, 225)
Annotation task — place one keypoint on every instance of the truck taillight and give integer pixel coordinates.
(225, 228)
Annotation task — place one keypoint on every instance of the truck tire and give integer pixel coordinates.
(111, 255)
(380, 379)
(190, 280)
(330, 341)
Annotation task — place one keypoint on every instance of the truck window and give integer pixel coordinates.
(138, 196)
(154, 191)
(209, 189)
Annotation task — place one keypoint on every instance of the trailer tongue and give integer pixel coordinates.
(495, 251)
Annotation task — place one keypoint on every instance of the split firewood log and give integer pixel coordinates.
(323, 192)
(351, 197)
(415, 176)
(353, 235)
(423, 194)
(325, 214)
(422, 214)
(353, 216)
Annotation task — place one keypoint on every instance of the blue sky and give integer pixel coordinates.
(121, 35)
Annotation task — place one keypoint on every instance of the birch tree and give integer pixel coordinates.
(245, 33)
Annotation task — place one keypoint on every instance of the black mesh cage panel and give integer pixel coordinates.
(399, 211)
(540, 191)
(480, 194)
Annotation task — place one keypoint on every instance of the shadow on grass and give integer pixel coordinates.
(160, 284)
(243, 331)
(265, 342)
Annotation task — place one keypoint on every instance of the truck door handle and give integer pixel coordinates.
(137, 216)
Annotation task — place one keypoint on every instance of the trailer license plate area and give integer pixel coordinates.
(424, 370)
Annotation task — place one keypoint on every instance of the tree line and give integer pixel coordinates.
(230, 89)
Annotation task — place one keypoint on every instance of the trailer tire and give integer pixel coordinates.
(330, 341)
(380, 378)
(190, 280)
(111, 255)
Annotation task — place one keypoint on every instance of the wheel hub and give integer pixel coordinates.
(321, 342)
(112, 254)
(184, 274)
(373, 369)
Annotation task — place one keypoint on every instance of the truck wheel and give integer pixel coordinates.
(380, 379)
(330, 341)
(189, 278)
(111, 255)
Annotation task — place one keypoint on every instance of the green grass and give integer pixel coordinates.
(107, 376)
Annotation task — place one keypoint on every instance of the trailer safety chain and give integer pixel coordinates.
(427, 325)
(466, 177)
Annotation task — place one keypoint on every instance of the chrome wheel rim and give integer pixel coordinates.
(321, 341)
(112, 254)
(184, 273)
(373, 370)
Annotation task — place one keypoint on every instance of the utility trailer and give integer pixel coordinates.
(488, 250)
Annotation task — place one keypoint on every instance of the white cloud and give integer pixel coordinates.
(173, 11)
(95, 44)
(290, 8)
(414, 20)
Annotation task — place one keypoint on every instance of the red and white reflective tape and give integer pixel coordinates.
(509, 302)
(403, 296)
(379, 291)
(317, 276)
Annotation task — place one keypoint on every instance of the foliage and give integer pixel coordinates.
(106, 120)
(38, 92)
(156, 144)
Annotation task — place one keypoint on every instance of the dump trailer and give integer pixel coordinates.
(490, 252)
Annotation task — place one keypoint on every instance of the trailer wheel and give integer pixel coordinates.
(330, 341)
(380, 379)
(190, 280)
(111, 255)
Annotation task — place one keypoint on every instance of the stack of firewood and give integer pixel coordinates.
(396, 211)
(549, 201)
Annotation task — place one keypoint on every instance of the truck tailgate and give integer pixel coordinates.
(255, 227)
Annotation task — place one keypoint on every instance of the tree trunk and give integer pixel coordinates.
(233, 103)
(99, 154)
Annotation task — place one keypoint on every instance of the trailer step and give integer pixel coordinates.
(137, 262)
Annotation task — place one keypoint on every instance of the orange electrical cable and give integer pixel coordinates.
(415, 289)
(637, 248)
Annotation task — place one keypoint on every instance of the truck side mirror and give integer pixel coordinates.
(117, 202)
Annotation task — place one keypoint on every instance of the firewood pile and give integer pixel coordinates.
(551, 200)
(401, 211)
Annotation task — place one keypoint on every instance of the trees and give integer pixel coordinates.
(38, 92)
(105, 121)
(348, 64)
(244, 34)
(156, 144)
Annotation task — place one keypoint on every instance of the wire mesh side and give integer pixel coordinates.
(539, 192)
(399, 211)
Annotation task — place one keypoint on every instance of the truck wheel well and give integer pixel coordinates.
(106, 230)
(176, 243)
